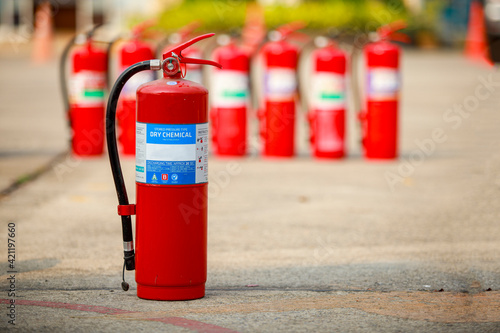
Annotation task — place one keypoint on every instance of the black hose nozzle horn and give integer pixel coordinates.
(109, 60)
(121, 191)
(62, 74)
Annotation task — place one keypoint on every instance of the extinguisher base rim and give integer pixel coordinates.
(329, 155)
(176, 293)
(230, 155)
(381, 158)
(278, 156)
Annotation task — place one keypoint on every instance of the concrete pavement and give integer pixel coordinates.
(294, 245)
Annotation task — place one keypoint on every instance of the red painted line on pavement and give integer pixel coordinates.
(198, 326)
(194, 325)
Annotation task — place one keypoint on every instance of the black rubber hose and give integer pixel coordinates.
(114, 159)
(109, 59)
(62, 75)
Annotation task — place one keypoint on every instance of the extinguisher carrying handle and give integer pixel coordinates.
(290, 28)
(121, 191)
(389, 31)
(177, 52)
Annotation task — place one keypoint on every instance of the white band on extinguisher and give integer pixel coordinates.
(327, 91)
(383, 83)
(229, 89)
(128, 246)
(86, 88)
(280, 84)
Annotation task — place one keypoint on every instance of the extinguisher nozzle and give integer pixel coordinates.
(125, 286)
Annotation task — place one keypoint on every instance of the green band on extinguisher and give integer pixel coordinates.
(94, 93)
(332, 96)
(239, 94)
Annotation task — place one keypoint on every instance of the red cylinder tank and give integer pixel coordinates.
(380, 120)
(327, 102)
(86, 97)
(280, 85)
(171, 239)
(229, 100)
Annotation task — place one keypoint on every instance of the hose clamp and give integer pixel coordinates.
(128, 246)
(155, 64)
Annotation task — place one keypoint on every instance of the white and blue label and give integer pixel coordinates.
(383, 83)
(280, 84)
(171, 154)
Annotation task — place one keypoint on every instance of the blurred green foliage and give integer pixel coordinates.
(360, 14)
(213, 15)
(318, 15)
(428, 19)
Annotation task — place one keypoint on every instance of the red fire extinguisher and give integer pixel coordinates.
(229, 98)
(327, 100)
(131, 52)
(84, 95)
(277, 111)
(171, 179)
(380, 119)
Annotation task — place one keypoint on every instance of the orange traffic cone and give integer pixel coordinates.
(43, 35)
(476, 47)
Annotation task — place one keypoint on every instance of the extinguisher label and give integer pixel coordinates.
(280, 84)
(171, 154)
(86, 88)
(327, 91)
(229, 89)
(130, 88)
(383, 83)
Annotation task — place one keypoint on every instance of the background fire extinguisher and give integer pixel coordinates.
(229, 98)
(83, 93)
(130, 52)
(327, 99)
(379, 120)
(277, 107)
(193, 71)
(171, 180)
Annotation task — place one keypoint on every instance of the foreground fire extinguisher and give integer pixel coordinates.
(327, 93)
(131, 52)
(84, 95)
(229, 88)
(277, 110)
(379, 120)
(171, 180)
